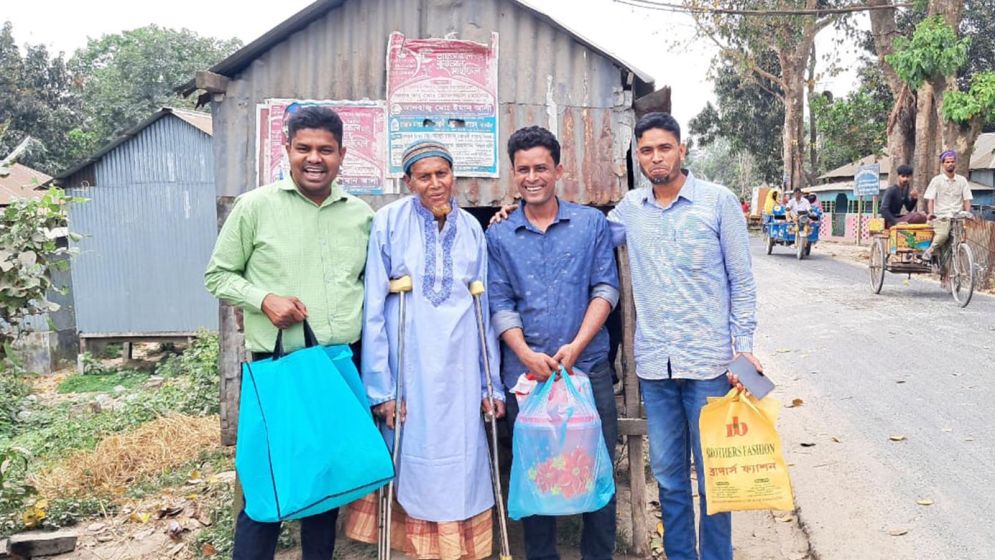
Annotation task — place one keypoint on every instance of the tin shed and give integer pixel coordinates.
(148, 229)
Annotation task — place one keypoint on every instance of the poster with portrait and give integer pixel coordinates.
(363, 170)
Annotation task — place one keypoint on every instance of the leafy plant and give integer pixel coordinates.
(92, 365)
(12, 392)
(978, 101)
(54, 432)
(14, 489)
(29, 252)
(851, 127)
(934, 50)
(199, 363)
(66, 512)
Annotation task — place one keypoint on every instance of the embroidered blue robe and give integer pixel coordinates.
(443, 474)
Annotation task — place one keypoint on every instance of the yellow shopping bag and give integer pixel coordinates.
(742, 458)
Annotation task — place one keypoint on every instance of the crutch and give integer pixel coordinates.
(399, 286)
(477, 290)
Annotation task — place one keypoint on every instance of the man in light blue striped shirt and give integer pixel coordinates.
(695, 298)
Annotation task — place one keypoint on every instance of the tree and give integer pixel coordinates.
(946, 117)
(720, 163)
(126, 76)
(978, 24)
(748, 38)
(748, 114)
(37, 100)
(885, 29)
(918, 119)
(852, 127)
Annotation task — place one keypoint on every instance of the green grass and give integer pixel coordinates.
(53, 432)
(101, 383)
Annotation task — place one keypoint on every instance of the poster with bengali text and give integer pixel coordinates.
(446, 90)
(363, 170)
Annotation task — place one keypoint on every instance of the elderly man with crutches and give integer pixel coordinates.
(443, 495)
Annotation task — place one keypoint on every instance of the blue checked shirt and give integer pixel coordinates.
(691, 279)
(543, 282)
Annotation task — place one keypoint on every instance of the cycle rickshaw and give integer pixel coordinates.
(899, 250)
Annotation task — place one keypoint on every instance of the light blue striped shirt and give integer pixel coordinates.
(691, 279)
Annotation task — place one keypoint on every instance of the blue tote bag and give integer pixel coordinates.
(306, 438)
(560, 463)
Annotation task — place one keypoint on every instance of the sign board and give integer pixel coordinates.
(444, 89)
(867, 181)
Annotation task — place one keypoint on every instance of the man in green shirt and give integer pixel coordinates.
(292, 250)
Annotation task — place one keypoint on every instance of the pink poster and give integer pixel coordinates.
(363, 169)
(446, 90)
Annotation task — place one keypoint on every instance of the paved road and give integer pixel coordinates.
(907, 363)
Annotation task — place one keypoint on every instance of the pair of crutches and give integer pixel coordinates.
(402, 286)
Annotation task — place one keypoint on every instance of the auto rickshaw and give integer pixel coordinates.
(779, 230)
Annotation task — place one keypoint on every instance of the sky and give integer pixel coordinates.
(662, 44)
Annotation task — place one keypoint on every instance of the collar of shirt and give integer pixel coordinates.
(687, 192)
(519, 220)
(337, 194)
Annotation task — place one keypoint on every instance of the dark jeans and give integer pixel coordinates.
(257, 541)
(597, 540)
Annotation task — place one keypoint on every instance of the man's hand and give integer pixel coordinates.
(539, 365)
(567, 356)
(284, 312)
(914, 195)
(734, 379)
(502, 214)
(485, 407)
(385, 410)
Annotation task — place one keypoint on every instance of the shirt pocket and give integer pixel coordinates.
(699, 248)
(348, 254)
(566, 266)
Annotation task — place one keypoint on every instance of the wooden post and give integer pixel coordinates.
(634, 427)
(232, 352)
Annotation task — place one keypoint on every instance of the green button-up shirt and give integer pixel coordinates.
(277, 241)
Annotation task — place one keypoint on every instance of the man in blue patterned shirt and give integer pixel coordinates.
(552, 282)
(695, 298)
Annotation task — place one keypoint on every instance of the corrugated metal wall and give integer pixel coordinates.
(984, 176)
(148, 229)
(545, 77)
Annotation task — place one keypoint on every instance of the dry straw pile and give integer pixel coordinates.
(150, 450)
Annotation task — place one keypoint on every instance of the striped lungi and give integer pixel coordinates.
(471, 539)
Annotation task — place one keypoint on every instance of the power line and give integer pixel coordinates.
(681, 8)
